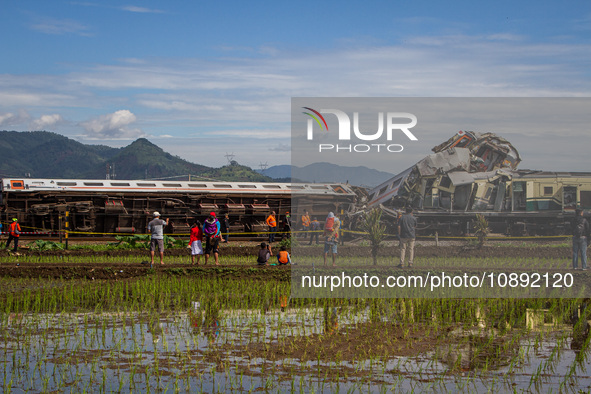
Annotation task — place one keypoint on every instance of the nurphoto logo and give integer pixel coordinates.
(395, 121)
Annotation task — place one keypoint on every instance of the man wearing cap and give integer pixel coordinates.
(156, 227)
(14, 231)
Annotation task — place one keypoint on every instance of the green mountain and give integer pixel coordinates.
(142, 159)
(48, 155)
(235, 172)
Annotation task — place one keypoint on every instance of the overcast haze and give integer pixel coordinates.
(201, 79)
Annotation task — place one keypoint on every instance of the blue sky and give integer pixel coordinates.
(202, 79)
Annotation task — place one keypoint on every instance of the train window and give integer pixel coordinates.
(197, 185)
(146, 184)
(294, 187)
(17, 185)
(93, 184)
(171, 185)
(396, 183)
(383, 190)
(66, 183)
(223, 186)
(445, 182)
(319, 187)
(271, 186)
(585, 199)
(247, 186)
(119, 184)
(548, 190)
(488, 193)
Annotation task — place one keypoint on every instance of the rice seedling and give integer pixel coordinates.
(224, 332)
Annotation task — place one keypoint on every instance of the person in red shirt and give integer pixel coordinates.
(272, 223)
(195, 242)
(14, 231)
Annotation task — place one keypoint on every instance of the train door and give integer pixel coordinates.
(569, 198)
(519, 201)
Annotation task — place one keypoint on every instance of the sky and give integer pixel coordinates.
(206, 79)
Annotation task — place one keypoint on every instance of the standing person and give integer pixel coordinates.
(305, 223)
(331, 237)
(580, 236)
(195, 241)
(272, 223)
(14, 232)
(315, 227)
(406, 230)
(156, 227)
(264, 254)
(226, 227)
(211, 230)
(287, 225)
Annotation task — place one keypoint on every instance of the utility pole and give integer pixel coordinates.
(229, 157)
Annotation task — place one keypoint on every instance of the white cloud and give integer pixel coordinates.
(12, 119)
(113, 126)
(46, 121)
(60, 27)
(141, 10)
(249, 96)
(281, 148)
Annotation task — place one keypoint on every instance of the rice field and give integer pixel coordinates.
(107, 322)
(185, 333)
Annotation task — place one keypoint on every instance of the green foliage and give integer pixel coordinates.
(46, 245)
(482, 230)
(171, 242)
(142, 241)
(136, 241)
(376, 231)
(288, 242)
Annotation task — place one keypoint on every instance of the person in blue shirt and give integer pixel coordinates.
(212, 233)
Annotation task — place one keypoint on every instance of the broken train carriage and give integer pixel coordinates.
(126, 206)
(475, 173)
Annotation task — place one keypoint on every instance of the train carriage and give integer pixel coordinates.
(515, 202)
(125, 206)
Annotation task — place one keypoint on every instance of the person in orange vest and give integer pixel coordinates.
(331, 237)
(305, 223)
(14, 231)
(283, 257)
(272, 223)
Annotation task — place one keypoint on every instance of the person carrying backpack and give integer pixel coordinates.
(580, 237)
(211, 231)
(14, 232)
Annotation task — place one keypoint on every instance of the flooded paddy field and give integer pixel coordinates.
(101, 323)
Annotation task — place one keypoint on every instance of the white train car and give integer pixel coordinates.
(125, 206)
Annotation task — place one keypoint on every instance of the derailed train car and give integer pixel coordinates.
(126, 206)
(477, 174)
